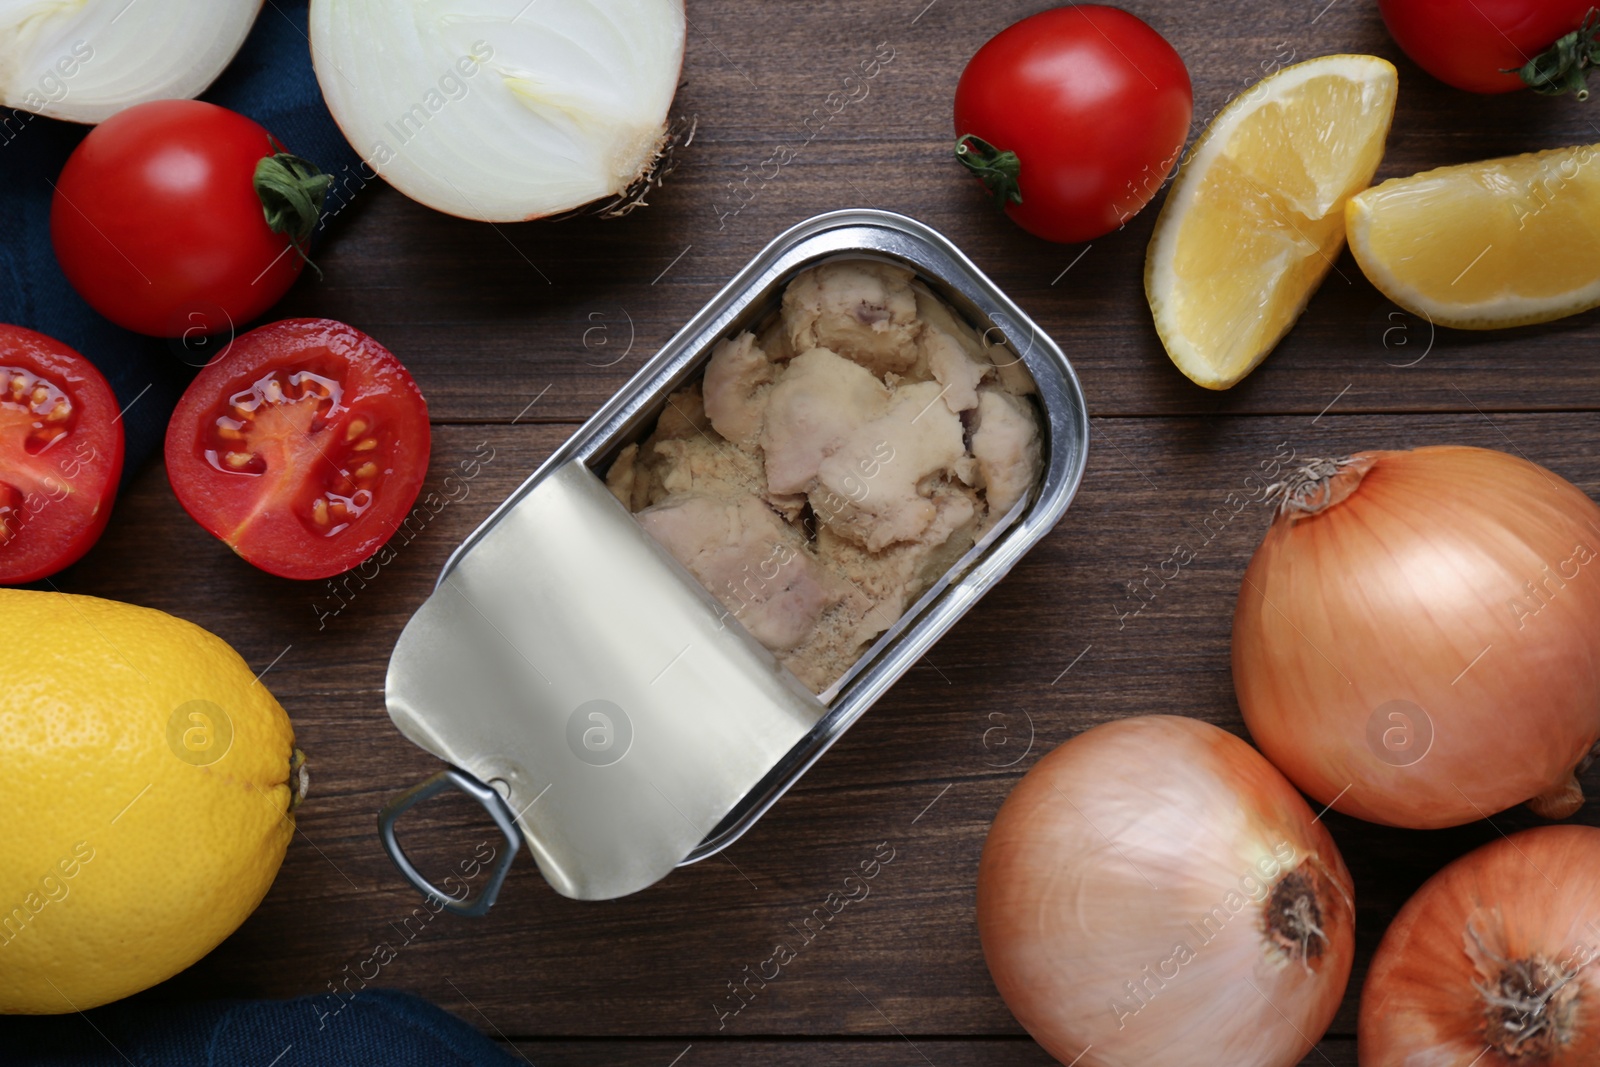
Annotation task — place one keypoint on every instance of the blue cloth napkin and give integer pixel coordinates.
(376, 1028)
(272, 82)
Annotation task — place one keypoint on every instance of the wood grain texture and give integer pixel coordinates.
(515, 333)
(892, 1051)
(488, 317)
(923, 772)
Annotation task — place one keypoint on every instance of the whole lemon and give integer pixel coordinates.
(145, 780)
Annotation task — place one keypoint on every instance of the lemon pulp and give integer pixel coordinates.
(1482, 245)
(1255, 218)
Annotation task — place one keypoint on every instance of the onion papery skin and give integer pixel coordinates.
(1133, 839)
(502, 110)
(1477, 924)
(1403, 595)
(84, 62)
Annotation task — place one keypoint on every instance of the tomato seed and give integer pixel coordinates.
(343, 499)
(42, 399)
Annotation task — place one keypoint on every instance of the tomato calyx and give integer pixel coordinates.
(998, 170)
(1560, 68)
(291, 191)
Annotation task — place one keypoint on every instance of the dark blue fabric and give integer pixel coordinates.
(376, 1028)
(271, 81)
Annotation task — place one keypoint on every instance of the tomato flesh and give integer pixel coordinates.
(1473, 44)
(61, 448)
(12, 513)
(302, 447)
(1094, 103)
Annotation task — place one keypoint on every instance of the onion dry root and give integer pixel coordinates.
(679, 136)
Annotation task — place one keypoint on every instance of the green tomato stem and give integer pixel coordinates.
(291, 190)
(999, 171)
(1560, 68)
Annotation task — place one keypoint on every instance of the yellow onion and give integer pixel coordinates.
(1493, 962)
(1417, 640)
(1153, 893)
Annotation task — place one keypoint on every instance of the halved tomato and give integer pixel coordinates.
(302, 447)
(60, 455)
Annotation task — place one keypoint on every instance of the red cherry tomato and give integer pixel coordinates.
(1094, 104)
(60, 455)
(302, 447)
(158, 225)
(1470, 44)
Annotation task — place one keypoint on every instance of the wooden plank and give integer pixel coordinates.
(1045, 655)
(516, 332)
(488, 318)
(886, 1052)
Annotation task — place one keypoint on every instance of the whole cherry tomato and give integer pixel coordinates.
(60, 455)
(180, 218)
(302, 447)
(1073, 118)
(1480, 45)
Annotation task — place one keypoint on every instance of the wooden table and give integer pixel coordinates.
(517, 333)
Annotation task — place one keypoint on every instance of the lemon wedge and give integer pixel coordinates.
(1504, 242)
(1255, 217)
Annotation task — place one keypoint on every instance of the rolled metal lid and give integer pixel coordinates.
(567, 660)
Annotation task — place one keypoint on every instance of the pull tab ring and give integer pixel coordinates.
(489, 800)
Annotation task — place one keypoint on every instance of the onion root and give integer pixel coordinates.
(1293, 917)
(678, 135)
(1529, 1004)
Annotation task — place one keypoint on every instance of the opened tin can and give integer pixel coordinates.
(593, 696)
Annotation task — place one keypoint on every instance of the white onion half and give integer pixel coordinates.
(501, 110)
(86, 60)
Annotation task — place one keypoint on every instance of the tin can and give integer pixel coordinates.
(729, 733)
